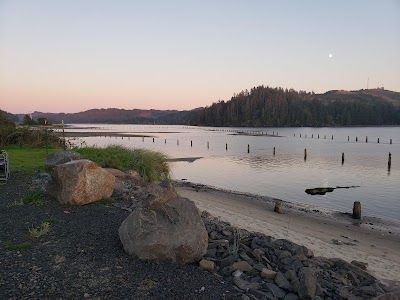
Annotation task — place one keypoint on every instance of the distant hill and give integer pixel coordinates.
(261, 106)
(109, 115)
(9, 116)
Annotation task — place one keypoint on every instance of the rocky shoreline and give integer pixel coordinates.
(82, 257)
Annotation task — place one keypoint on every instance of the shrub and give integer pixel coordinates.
(14, 246)
(34, 198)
(39, 231)
(151, 165)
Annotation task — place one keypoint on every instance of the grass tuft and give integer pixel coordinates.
(16, 203)
(34, 198)
(151, 165)
(14, 246)
(39, 231)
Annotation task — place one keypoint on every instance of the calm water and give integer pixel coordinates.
(285, 175)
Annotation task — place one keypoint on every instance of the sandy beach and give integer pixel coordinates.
(372, 240)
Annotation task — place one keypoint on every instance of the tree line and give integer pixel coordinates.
(265, 106)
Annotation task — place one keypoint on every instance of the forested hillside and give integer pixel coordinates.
(266, 106)
(109, 115)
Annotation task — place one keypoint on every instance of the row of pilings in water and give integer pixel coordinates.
(274, 149)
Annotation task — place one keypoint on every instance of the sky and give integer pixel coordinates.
(74, 55)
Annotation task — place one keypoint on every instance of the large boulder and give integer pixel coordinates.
(125, 180)
(165, 230)
(58, 158)
(80, 182)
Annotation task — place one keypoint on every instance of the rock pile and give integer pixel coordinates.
(262, 267)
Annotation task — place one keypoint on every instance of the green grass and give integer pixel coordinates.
(14, 246)
(26, 158)
(151, 165)
(39, 231)
(34, 198)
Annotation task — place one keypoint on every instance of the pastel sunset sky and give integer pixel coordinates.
(70, 56)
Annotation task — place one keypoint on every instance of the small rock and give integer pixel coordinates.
(282, 282)
(308, 283)
(268, 274)
(243, 266)
(368, 290)
(307, 252)
(86, 295)
(360, 264)
(245, 285)
(291, 296)
(275, 290)
(207, 265)
(228, 261)
(259, 267)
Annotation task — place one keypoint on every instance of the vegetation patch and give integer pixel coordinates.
(151, 165)
(35, 198)
(39, 231)
(17, 246)
(26, 158)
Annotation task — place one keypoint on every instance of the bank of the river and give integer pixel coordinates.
(372, 240)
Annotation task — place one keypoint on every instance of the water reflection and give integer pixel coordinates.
(286, 174)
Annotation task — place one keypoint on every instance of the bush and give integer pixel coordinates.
(151, 165)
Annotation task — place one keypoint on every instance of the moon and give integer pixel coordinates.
(330, 55)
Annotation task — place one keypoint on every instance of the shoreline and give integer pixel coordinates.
(329, 234)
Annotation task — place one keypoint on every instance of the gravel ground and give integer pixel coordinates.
(82, 256)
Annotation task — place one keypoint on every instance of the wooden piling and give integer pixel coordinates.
(378, 140)
(312, 136)
(305, 154)
(278, 206)
(142, 138)
(153, 140)
(356, 139)
(389, 160)
(191, 143)
(366, 139)
(390, 141)
(342, 158)
(208, 145)
(318, 135)
(300, 134)
(274, 151)
(226, 147)
(332, 136)
(357, 210)
(248, 148)
(348, 138)
(165, 141)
